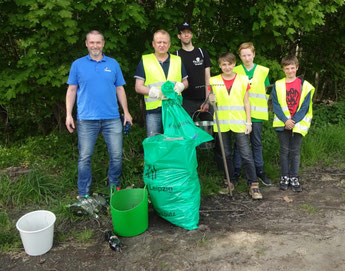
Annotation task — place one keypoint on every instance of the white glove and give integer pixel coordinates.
(248, 128)
(155, 93)
(179, 87)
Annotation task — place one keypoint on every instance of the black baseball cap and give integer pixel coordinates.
(184, 26)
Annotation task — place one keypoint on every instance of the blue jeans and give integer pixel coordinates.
(255, 140)
(88, 131)
(242, 142)
(154, 124)
(290, 148)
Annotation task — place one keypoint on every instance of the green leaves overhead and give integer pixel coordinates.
(39, 39)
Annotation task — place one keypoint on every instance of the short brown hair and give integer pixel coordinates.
(289, 60)
(94, 32)
(246, 45)
(161, 31)
(229, 57)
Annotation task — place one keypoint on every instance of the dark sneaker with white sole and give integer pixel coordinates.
(284, 183)
(295, 185)
(264, 179)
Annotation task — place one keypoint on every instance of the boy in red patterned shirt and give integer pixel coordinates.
(292, 106)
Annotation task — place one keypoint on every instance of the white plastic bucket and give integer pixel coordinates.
(37, 231)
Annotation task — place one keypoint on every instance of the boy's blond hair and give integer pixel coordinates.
(229, 57)
(289, 60)
(246, 45)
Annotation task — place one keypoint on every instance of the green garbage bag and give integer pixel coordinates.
(170, 171)
(171, 178)
(176, 121)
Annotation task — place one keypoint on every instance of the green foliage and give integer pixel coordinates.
(329, 114)
(40, 39)
(323, 146)
(36, 187)
(209, 177)
(9, 237)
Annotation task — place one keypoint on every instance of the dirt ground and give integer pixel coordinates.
(304, 231)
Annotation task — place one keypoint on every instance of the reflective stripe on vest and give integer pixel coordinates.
(155, 76)
(234, 108)
(241, 122)
(257, 93)
(231, 113)
(302, 126)
(258, 109)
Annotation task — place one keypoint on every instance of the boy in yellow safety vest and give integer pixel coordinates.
(258, 80)
(292, 106)
(231, 94)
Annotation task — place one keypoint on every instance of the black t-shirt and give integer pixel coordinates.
(195, 63)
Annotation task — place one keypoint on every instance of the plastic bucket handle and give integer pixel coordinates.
(198, 113)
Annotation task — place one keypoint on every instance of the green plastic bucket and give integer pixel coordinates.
(129, 211)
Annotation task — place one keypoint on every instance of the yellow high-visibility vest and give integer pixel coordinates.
(231, 113)
(257, 93)
(301, 127)
(155, 77)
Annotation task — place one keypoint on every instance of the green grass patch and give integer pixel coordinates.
(35, 187)
(323, 145)
(202, 241)
(310, 209)
(9, 236)
(83, 236)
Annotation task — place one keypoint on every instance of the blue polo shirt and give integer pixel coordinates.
(97, 82)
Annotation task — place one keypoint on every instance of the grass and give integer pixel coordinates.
(309, 208)
(260, 252)
(202, 241)
(84, 236)
(52, 180)
(9, 237)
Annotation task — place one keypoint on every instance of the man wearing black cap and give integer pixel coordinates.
(197, 63)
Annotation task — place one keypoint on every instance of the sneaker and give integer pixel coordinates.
(254, 191)
(225, 188)
(264, 179)
(284, 183)
(295, 185)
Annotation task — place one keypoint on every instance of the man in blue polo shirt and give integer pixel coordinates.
(152, 72)
(96, 81)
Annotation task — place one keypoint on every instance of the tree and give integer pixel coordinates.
(40, 39)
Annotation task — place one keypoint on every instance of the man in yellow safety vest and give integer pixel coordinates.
(152, 72)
